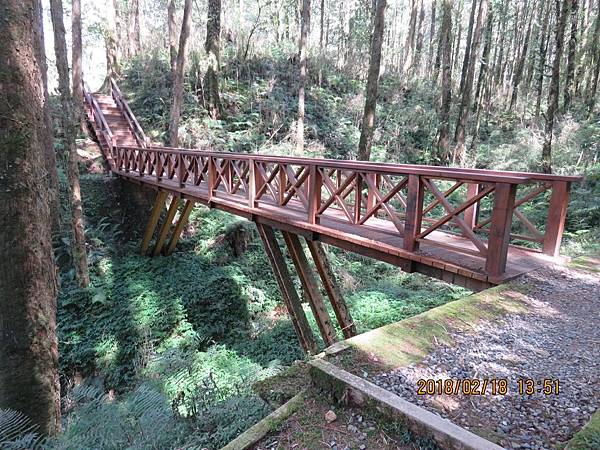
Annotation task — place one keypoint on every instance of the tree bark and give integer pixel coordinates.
(446, 46)
(179, 75)
(111, 43)
(52, 174)
(28, 344)
(518, 74)
(465, 104)
(543, 51)
(304, 27)
(368, 122)
(465, 65)
(212, 47)
(570, 75)
(76, 58)
(595, 50)
(432, 36)
(172, 37)
(69, 135)
(562, 10)
(135, 41)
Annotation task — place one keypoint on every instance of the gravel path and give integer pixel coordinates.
(559, 340)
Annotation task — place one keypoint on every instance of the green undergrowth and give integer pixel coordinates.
(588, 437)
(196, 330)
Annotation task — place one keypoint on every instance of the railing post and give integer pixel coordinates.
(140, 166)
(414, 213)
(159, 166)
(282, 183)
(374, 178)
(212, 177)
(557, 213)
(358, 183)
(472, 212)
(499, 237)
(180, 170)
(315, 181)
(251, 183)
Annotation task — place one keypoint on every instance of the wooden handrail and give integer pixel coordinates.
(98, 114)
(449, 173)
(134, 125)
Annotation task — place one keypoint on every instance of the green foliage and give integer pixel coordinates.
(17, 432)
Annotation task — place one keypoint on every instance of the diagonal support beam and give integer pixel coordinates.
(331, 287)
(166, 226)
(306, 275)
(288, 291)
(183, 218)
(159, 204)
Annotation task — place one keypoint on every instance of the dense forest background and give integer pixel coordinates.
(160, 360)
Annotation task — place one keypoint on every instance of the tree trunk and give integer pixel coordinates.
(69, 135)
(76, 58)
(304, 27)
(595, 50)
(553, 94)
(465, 104)
(445, 45)
(212, 47)
(485, 61)
(135, 40)
(518, 74)
(52, 174)
(179, 75)
(465, 65)
(432, 36)
(28, 344)
(568, 89)
(368, 121)
(543, 51)
(172, 36)
(409, 46)
(111, 43)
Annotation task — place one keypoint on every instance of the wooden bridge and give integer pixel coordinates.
(472, 227)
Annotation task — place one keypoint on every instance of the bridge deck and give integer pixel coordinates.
(376, 238)
(455, 224)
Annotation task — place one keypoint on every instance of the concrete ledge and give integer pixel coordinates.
(351, 389)
(258, 431)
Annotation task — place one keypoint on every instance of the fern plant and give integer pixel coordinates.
(18, 432)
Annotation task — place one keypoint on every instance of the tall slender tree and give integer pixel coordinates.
(304, 29)
(446, 46)
(465, 103)
(69, 133)
(571, 56)
(28, 286)
(76, 57)
(562, 10)
(179, 74)
(368, 122)
(595, 50)
(212, 47)
(172, 31)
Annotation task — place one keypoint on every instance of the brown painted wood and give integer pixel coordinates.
(414, 213)
(314, 195)
(288, 291)
(181, 222)
(166, 226)
(472, 212)
(159, 204)
(499, 237)
(311, 289)
(557, 213)
(331, 287)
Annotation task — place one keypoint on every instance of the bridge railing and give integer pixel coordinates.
(98, 117)
(480, 212)
(132, 121)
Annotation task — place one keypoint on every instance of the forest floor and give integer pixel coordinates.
(557, 338)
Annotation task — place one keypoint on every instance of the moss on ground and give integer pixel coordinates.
(589, 436)
(410, 340)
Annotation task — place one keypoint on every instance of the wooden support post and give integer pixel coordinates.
(331, 287)
(187, 209)
(180, 170)
(358, 183)
(252, 174)
(557, 213)
(499, 237)
(212, 177)
(315, 299)
(164, 230)
(288, 291)
(472, 212)
(314, 193)
(282, 184)
(159, 204)
(374, 179)
(414, 213)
